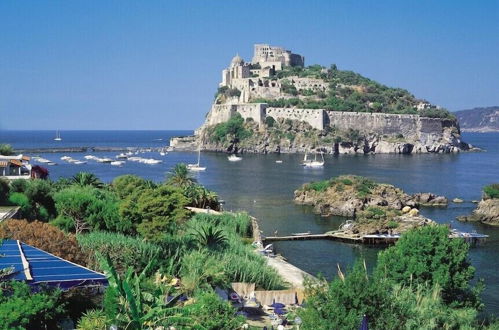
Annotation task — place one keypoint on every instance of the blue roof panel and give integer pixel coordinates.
(45, 267)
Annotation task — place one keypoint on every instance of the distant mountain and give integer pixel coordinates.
(480, 120)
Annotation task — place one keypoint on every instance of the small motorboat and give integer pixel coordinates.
(104, 160)
(117, 163)
(51, 163)
(301, 234)
(65, 158)
(234, 158)
(122, 156)
(79, 162)
(278, 161)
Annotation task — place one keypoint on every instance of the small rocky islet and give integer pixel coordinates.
(487, 211)
(374, 207)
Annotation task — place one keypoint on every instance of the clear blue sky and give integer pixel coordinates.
(156, 64)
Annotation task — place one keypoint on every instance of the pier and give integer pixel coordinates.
(374, 239)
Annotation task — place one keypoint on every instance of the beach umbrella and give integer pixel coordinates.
(279, 311)
(277, 305)
(363, 324)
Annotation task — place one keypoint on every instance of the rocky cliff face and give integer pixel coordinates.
(344, 133)
(487, 212)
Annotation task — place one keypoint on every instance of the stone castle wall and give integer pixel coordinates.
(412, 127)
(377, 123)
(315, 117)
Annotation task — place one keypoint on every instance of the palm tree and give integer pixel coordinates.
(180, 176)
(83, 179)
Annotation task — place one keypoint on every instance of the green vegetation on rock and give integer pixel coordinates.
(491, 191)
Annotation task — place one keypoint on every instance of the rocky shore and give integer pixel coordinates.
(374, 207)
(487, 210)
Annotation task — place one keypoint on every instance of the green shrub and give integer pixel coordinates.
(4, 190)
(269, 121)
(392, 224)
(318, 185)
(492, 191)
(94, 319)
(347, 182)
(18, 185)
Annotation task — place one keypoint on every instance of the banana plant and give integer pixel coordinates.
(139, 308)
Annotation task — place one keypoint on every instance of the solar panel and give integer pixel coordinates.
(45, 267)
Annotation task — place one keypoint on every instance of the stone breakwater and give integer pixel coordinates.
(376, 132)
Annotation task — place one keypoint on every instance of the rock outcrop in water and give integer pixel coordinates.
(487, 210)
(279, 105)
(375, 207)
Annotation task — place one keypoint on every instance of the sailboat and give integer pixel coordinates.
(234, 158)
(313, 163)
(197, 167)
(57, 136)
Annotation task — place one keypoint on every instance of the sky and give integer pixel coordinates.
(93, 64)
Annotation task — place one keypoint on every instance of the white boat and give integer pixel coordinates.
(65, 158)
(234, 158)
(152, 161)
(313, 163)
(122, 156)
(57, 136)
(196, 167)
(90, 157)
(43, 160)
(51, 163)
(162, 153)
(104, 160)
(79, 162)
(278, 161)
(117, 163)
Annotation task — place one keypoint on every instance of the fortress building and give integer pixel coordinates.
(276, 57)
(252, 79)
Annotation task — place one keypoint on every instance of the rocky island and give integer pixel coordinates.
(487, 211)
(276, 104)
(374, 207)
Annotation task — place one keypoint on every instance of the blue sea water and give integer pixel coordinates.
(265, 189)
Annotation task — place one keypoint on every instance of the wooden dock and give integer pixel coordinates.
(335, 236)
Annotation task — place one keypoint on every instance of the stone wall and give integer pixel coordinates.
(315, 117)
(378, 123)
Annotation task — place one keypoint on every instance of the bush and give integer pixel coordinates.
(4, 190)
(6, 150)
(492, 191)
(269, 121)
(18, 185)
(318, 186)
(427, 255)
(20, 308)
(45, 237)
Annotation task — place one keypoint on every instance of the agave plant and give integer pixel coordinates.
(209, 236)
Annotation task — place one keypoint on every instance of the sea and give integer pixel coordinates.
(264, 188)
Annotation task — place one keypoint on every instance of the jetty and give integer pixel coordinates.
(374, 239)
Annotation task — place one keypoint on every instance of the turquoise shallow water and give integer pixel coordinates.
(265, 189)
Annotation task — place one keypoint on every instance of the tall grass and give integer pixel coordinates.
(236, 260)
(125, 251)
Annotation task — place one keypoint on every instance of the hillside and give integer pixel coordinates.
(480, 120)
